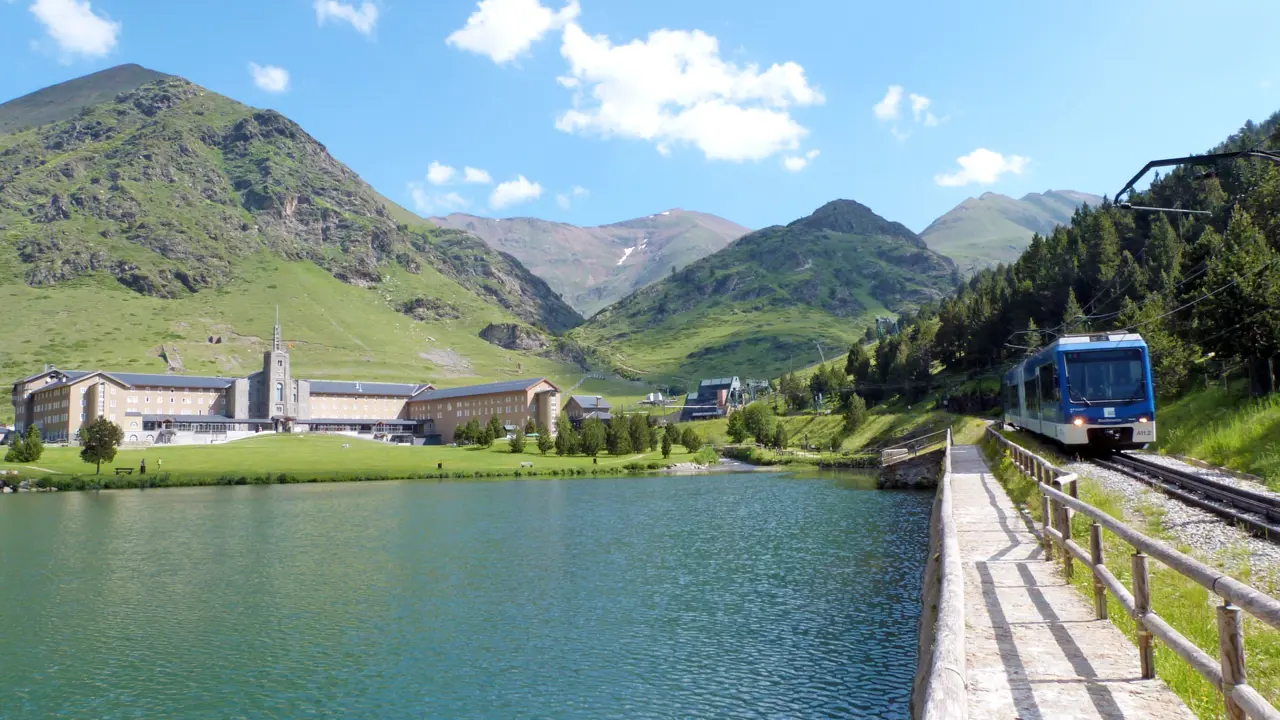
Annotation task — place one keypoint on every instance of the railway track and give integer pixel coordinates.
(1256, 512)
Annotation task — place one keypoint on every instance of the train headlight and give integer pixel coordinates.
(1078, 422)
(1142, 420)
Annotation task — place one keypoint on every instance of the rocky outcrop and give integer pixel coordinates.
(515, 337)
(428, 309)
(914, 472)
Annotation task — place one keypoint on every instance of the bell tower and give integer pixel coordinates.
(278, 377)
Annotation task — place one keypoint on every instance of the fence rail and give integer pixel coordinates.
(1227, 671)
(941, 677)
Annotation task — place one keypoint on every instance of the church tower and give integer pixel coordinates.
(277, 378)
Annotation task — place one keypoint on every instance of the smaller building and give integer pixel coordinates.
(581, 408)
(514, 403)
(716, 398)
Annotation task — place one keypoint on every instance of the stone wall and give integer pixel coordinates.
(918, 472)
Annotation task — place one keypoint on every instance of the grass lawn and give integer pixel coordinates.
(324, 457)
(1224, 427)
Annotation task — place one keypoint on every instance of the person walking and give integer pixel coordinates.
(142, 468)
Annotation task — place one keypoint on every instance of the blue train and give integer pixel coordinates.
(1085, 392)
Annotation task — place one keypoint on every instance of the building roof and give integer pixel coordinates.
(486, 389)
(189, 382)
(356, 387)
(185, 382)
(718, 383)
(591, 402)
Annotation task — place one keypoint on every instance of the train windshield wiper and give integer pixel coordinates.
(1075, 396)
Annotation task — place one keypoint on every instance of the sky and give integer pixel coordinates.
(598, 111)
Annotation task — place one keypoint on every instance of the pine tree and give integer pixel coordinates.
(593, 437)
(496, 428)
(530, 427)
(545, 441)
(34, 445)
(486, 437)
(780, 437)
(639, 429)
(855, 413)
(17, 452)
(737, 427)
(666, 446)
(1073, 320)
(517, 441)
(691, 440)
(1032, 337)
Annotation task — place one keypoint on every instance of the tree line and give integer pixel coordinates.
(1198, 287)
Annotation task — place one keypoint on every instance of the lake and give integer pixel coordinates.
(715, 596)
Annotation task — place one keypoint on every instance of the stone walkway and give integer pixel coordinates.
(1034, 648)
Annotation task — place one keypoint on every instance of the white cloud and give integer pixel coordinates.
(796, 163)
(269, 78)
(930, 120)
(514, 192)
(363, 19)
(919, 104)
(476, 175)
(506, 29)
(76, 28)
(673, 88)
(427, 202)
(565, 200)
(983, 167)
(438, 174)
(887, 109)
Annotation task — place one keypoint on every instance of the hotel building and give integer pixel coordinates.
(187, 409)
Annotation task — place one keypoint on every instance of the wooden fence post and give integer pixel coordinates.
(1046, 521)
(1231, 654)
(1095, 557)
(1142, 606)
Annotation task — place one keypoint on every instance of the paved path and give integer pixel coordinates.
(1034, 648)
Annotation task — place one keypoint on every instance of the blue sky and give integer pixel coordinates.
(603, 110)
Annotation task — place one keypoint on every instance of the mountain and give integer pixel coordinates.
(594, 267)
(991, 229)
(765, 302)
(62, 101)
(171, 214)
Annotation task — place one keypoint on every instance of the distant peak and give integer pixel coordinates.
(852, 217)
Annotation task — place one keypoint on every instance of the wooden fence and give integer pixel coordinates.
(1227, 671)
(939, 692)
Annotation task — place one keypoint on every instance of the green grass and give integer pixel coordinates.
(324, 457)
(1224, 427)
(1183, 603)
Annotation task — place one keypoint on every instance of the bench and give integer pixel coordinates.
(124, 471)
(526, 464)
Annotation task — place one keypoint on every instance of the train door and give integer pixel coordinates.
(1050, 399)
(1031, 400)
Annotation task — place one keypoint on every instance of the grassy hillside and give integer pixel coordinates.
(595, 267)
(991, 229)
(1224, 427)
(168, 187)
(761, 305)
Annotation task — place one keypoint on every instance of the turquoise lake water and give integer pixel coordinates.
(722, 596)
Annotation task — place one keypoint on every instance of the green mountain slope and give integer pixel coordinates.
(62, 101)
(757, 307)
(991, 229)
(170, 214)
(597, 266)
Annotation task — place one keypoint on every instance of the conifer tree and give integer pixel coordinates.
(545, 442)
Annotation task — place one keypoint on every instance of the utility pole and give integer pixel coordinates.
(820, 353)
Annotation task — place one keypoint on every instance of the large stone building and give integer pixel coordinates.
(187, 409)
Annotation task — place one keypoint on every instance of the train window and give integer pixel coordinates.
(1106, 376)
(1032, 395)
(1049, 392)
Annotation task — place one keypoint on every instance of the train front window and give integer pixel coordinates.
(1106, 376)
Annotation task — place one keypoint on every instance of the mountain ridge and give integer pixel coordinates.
(994, 228)
(593, 267)
(772, 298)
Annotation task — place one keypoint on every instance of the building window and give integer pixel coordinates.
(81, 417)
(279, 392)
